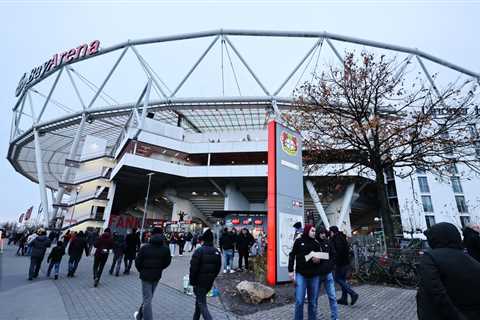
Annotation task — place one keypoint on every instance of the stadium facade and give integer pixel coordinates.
(154, 125)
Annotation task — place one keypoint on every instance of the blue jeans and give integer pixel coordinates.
(227, 259)
(55, 265)
(341, 279)
(330, 290)
(310, 285)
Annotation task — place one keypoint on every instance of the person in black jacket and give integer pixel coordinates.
(307, 272)
(152, 259)
(39, 246)
(449, 278)
(77, 245)
(118, 251)
(132, 242)
(342, 265)
(244, 242)
(204, 267)
(227, 246)
(54, 258)
(326, 267)
(471, 241)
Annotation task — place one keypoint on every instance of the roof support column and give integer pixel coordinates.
(346, 204)
(317, 203)
(41, 178)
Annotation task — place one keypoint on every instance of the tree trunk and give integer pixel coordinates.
(384, 208)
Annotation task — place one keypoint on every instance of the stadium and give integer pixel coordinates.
(176, 127)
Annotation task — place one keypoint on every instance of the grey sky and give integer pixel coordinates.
(31, 32)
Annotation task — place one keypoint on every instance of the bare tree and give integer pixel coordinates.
(368, 115)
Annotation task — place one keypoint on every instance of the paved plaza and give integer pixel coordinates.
(118, 297)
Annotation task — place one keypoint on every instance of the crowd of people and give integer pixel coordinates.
(448, 272)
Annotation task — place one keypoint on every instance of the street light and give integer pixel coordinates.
(146, 203)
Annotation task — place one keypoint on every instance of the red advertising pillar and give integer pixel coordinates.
(271, 207)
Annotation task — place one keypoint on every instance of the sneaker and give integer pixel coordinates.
(30, 279)
(232, 271)
(224, 271)
(135, 315)
(56, 277)
(354, 299)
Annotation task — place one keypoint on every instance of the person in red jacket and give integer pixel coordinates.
(103, 244)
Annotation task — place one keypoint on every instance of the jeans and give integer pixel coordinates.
(117, 261)
(98, 264)
(35, 263)
(341, 278)
(227, 259)
(201, 304)
(73, 264)
(51, 265)
(243, 255)
(148, 289)
(127, 264)
(330, 290)
(311, 286)
(181, 246)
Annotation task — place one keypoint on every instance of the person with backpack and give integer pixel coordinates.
(449, 278)
(103, 246)
(39, 246)
(342, 265)
(205, 265)
(54, 259)
(76, 248)
(151, 260)
(118, 251)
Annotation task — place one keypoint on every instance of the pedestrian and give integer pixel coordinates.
(21, 244)
(54, 258)
(181, 243)
(92, 236)
(76, 248)
(227, 244)
(342, 265)
(448, 278)
(103, 246)
(51, 236)
(205, 265)
(244, 242)
(235, 239)
(39, 246)
(66, 237)
(119, 247)
(326, 267)
(132, 245)
(194, 241)
(188, 239)
(471, 241)
(30, 239)
(307, 272)
(298, 230)
(152, 259)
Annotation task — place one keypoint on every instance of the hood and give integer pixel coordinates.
(444, 235)
(470, 234)
(157, 239)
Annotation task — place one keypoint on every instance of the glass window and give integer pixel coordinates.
(430, 220)
(423, 183)
(464, 220)
(453, 169)
(456, 185)
(427, 204)
(461, 204)
(421, 171)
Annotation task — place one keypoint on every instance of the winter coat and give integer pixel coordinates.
(119, 244)
(152, 259)
(471, 242)
(39, 246)
(205, 265)
(56, 254)
(449, 280)
(103, 244)
(77, 246)
(327, 266)
(227, 241)
(244, 242)
(302, 247)
(342, 250)
(132, 242)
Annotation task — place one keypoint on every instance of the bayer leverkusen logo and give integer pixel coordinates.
(289, 143)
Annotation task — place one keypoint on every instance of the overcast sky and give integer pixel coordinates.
(31, 31)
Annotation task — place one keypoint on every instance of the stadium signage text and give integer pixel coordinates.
(56, 61)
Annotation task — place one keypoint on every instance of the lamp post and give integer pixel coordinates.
(377, 219)
(146, 204)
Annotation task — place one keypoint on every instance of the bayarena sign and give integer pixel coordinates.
(57, 60)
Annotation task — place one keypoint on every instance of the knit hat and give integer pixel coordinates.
(207, 236)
